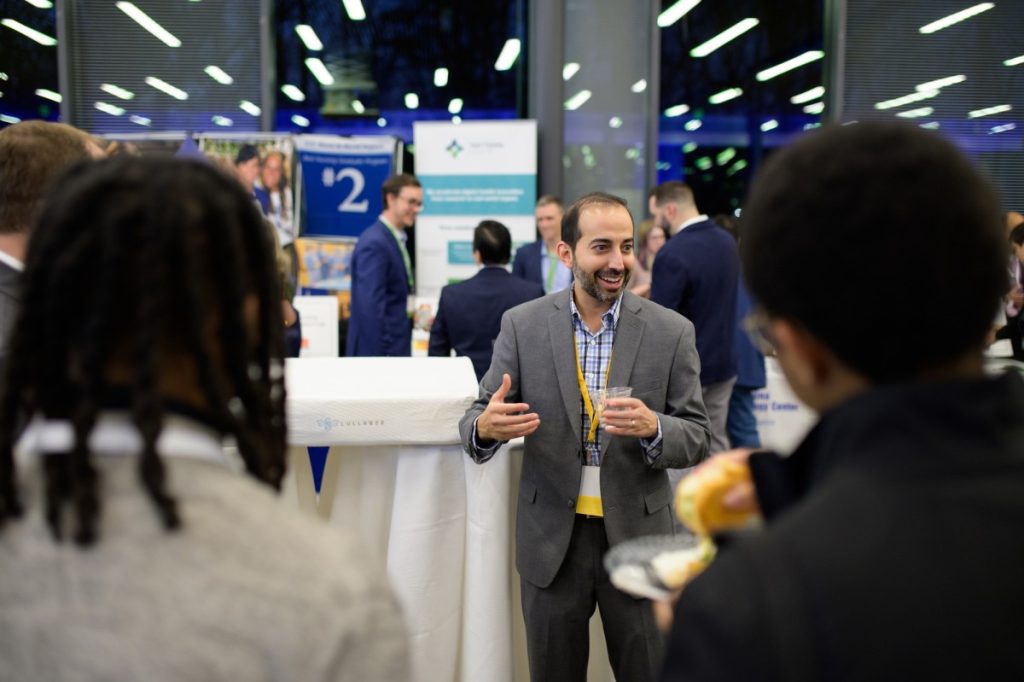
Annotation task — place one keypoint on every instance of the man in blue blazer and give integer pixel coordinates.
(469, 314)
(381, 272)
(538, 261)
(696, 274)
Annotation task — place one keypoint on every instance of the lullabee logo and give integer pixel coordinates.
(454, 149)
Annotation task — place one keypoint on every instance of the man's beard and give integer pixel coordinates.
(588, 281)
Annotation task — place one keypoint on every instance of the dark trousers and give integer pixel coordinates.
(558, 617)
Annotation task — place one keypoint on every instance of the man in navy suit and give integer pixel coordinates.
(696, 274)
(538, 261)
(381, 272)
(469, 314)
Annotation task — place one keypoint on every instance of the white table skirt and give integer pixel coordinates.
(443, 525)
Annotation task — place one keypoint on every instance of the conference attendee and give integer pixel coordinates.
(32, 155)
(696, 274)
(131, 546)
(538, 261)
(585, 488)
(469, 313)
(382, 278)
(893, 546)
(651, 241)
(741, 421)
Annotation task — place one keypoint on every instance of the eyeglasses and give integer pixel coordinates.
(757, 325)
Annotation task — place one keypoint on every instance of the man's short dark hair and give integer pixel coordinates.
(32, 155)
(881, 240)
(674, 191)
(1017, 235)
(571, 219)
(493, 242)
(394, 185)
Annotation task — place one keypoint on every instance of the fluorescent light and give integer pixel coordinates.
(693, 124)
(218, 74)
(3, 75)
(808, 95)
(1015, 61)
(934, 125)
(300, 121)
(109, 109)
(615, 122)
(917, 113)
(147, 22)
(906, 99)
(412, 100)
(812, 126)
(770, 124)
(114, 90)
(456, 120)
(998, 109)
(319, 71)
(166, 87)
(358, 107)
(704, 163)
(41, 4)
(726, 155)
(725, 95)
(815, 108)
(677, 110)
(293, 93)
(50, 95)
(455, 106)
(309, 37)
(249, 108)
(639, 86)
(1002, 129)
(790, 64)
(355, 9)
(382, 122)
(577, 100)
(441, 77)
(737, 167)
(29, 33)
(140, 120)
(689, 147)
(940, 83)
(569, 70)
(223, 121)
(946, 22)
(9, 119)
(735, 31)
(676, 12)
(508, 56)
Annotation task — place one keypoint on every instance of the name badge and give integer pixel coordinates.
(589, 500)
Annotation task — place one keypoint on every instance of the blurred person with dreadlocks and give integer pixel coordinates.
(32, 155)
(130, 548)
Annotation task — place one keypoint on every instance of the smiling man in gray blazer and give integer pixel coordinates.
(585, 488)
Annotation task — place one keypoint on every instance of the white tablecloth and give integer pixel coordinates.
(396, 474)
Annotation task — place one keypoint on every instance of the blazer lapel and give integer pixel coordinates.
(562, 339)
(624, 353)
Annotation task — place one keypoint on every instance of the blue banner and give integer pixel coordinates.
(341, 181)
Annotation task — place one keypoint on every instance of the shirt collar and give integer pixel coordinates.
(692, 221)
(399, 234)
(11, 262)
(610, 317)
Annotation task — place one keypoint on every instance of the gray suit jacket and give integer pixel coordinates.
(654, 353)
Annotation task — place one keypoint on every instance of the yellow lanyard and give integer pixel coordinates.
(588, 405)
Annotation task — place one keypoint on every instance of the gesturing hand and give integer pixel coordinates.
(505, 421)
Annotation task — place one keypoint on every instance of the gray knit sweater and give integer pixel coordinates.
(248, 590)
